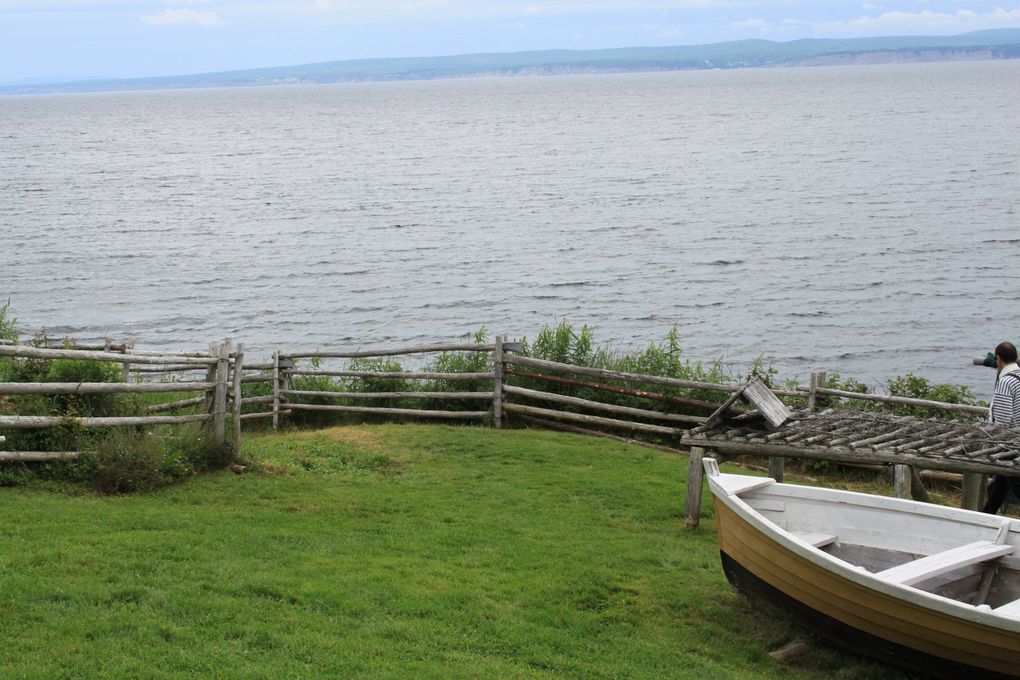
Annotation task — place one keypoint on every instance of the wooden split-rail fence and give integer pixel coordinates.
(520, 388)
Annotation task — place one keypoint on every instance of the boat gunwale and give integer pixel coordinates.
(842, 568)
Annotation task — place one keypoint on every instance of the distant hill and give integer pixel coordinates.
(996, 44)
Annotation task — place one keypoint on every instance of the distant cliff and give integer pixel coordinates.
(981, 45)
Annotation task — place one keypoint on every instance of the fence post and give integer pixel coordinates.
(210, 377)
(901, 481)
(695, 476)
(238, 369)
(276, 389)
(220, 405)
(497, 392)
(973, 490)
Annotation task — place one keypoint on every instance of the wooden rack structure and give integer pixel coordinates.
(851, 437)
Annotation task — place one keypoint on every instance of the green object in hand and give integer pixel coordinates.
(989, 360)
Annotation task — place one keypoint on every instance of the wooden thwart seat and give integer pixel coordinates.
(815, 539)
(1011, 609)
(941, 562)
(738, 484)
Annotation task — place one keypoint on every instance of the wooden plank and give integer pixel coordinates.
(39, 353)
(473, 347)
(102, 388)
(454, 415)
(600, 406)
(767, 403)
(735, 485)
(942, 562)
(582, 418)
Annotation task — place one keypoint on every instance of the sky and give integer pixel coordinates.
(73, 39)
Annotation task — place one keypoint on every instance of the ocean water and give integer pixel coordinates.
(859, 220)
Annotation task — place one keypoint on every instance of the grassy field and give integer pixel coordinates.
(387, 552)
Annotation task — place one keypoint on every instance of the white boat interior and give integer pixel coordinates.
(969, 557)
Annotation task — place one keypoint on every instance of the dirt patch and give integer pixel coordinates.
(361, 438)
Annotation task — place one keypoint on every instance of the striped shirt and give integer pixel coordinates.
(1006, 399)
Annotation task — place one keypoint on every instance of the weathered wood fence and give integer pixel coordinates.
(215, 389)
(518, 388)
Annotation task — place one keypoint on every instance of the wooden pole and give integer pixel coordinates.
(126, 367)
(497, 392)
(901, 481)
(695, 477)
(276, 389)
(777, 467)
(974, 485)
(917, 490)
(220, 407)
(238, 398)
(210, 377)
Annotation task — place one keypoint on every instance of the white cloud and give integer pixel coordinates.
(888, 23)
(205, 19)
(926, 21)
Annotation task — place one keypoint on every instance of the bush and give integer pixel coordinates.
(127, 461)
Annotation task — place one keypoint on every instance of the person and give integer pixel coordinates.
(1005, 410)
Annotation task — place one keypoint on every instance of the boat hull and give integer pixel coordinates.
(855, 616)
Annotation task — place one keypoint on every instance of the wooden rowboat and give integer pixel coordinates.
(930, 588)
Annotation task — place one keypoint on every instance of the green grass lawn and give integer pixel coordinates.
(387, 552)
